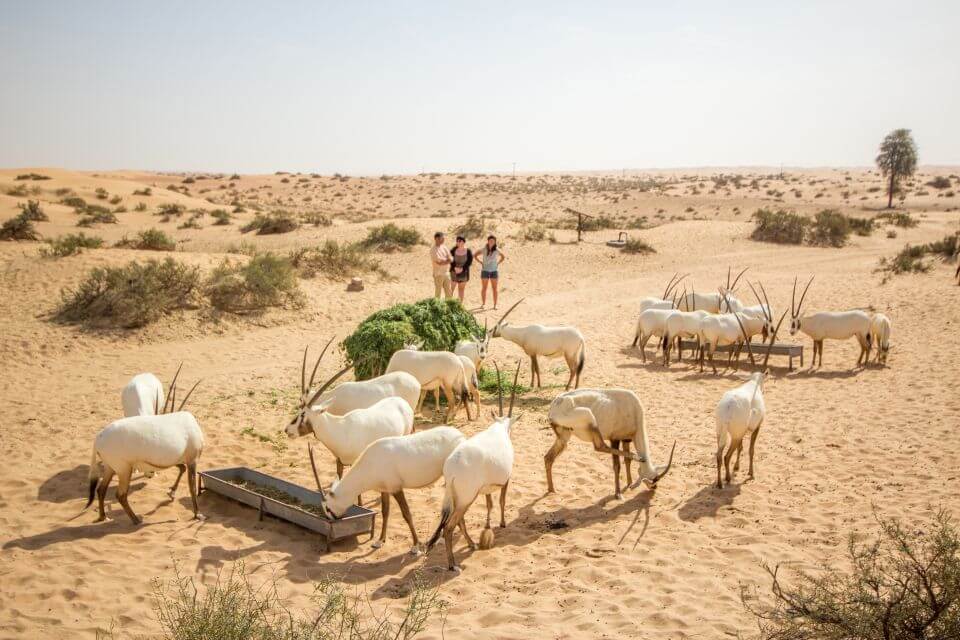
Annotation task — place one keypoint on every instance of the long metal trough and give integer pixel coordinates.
(355, 521)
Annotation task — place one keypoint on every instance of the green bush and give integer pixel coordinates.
(70, 245)
(335, 260)
(233, 608)
(473, 227)
(435, 324)
(170, 209)
(898, 219)
(32, 176)
(129, 296)
(32, 211)
(779, 226)
(92, 217)
(153, 240)
(830, 228)
(489, 383)
(265, 281)
(636, 245)
(911, 257)
(944, 248)
(221, 217)
(76, 202)
(940, 182)
(276, 222)
(390, 237)
(904, 585)
(18, 228)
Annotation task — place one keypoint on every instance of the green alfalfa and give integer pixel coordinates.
(432, 324)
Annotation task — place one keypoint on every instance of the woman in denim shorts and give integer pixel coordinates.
(491, 256)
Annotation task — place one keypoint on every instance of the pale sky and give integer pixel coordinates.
(391, 87)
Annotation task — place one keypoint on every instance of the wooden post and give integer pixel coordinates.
(580, 217)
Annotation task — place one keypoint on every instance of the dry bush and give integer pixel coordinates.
(32, 211)
(221, 217)
(149, 240)
(94, 215)
(390, 237)
(940, 182)
(911, 257)
(234, 608)
(317, 219)
(335, 260)
(830, 228)
(18, 228)
(69, 245)
(903, 585)
(129, 296)
(276, 222)
(637, 245)
(779, 226)
(265, 281)
(898, 219)
(533, 233)
(473, 227)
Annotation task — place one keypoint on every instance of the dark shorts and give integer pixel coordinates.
(460, 277)
(489, 275)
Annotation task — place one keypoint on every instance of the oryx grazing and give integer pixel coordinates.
(360, 394)
(546, 341)
(880, 332)
(480, 465)
(435, 370)
(832, 325)
(599, 415)
(475, 349)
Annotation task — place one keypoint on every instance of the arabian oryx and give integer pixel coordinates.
(664, 302)
(832, 325)
(480, 465)
(880, 335)
(710, 302)
(546, 341)
(598, 415)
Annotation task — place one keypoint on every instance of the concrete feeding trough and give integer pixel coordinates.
(286, 501)
(620, 242)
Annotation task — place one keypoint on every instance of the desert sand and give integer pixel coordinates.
(840, 445)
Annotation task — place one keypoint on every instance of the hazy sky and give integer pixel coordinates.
(378, 87)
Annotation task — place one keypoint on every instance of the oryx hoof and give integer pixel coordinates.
(377, 544)
(455, 569)
(199, 516)
(618, 495)
(415, 551)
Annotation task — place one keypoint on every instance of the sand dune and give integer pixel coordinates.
(839, 444)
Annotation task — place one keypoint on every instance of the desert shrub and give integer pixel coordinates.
(76, 202)
(18, 191)
(637, 245)
(830, 228)
(18, 228)
(141, 206)
(221, 217)
(265, 281)
(390, 237)
(171, 210)
(860, 226)
(534, 233)
(193, 222)
(898, 219)
(146, 191)
(233, 608)
(944, 248)
(892, 233)
(473, 227)
(317, 219)
(95, 216)
(32, 176)
(940, 182)
(779, 226)
(101, 193)
(276, 222)
(245, 248)
(32, 211)
(150, 240)
(903, 585)
(911, 257)
(70, 244)
(335, 260)
(435, 324)
(129, 296)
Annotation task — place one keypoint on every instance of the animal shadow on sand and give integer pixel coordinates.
(63, 486)
(708, 501)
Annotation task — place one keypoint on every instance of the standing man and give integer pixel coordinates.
(441, 259)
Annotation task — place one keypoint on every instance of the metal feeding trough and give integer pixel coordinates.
(620, 242)
(240, 484)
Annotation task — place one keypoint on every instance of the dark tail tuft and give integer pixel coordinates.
(636, 338)
(444, 518)
(583, 358)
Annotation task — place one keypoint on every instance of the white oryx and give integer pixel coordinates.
(880, 336)
(475, 349)
(679, 325)
(665, 302)
(390, 465)
(710, 302)
(434, 370)
(546, 341)
(360, 394)
(480, 465)
(598, 415)
(739, 413)
(728, 329)
(830, 325)
(149, 443)
(651, 323)
(347, 435)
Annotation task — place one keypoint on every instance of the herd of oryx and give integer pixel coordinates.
(368, 425)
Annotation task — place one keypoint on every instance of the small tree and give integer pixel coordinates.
(897, 159)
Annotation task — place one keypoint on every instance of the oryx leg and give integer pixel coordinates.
(463, 529)
(572, 365)
(720, 462)
(753, 443)
(726, 459)
(173, 489)
(503, 504)
(736, 464)
(451, 402)
(643, 347)
(123, 486)
(405, 510)
(489, 509)
(423, 394)
(601, 446)
(339, 469)
(616, 471)
(536, 369)
(102, 491)
(384, 517)
(455, 518)
(562, 437)
(625, 445)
